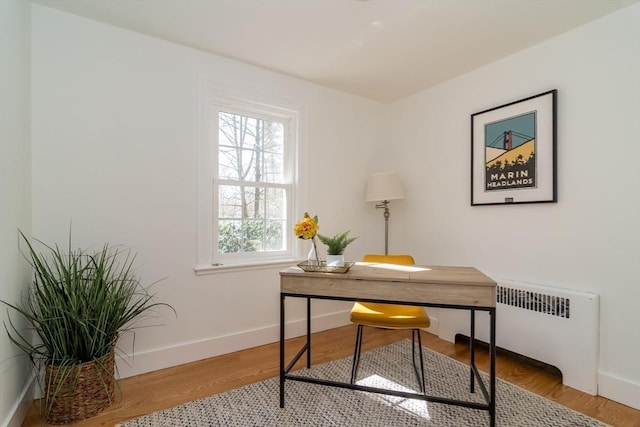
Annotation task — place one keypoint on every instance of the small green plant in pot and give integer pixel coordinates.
(336, 246)
(79, 303)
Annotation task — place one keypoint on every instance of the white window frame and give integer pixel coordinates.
(214, 102)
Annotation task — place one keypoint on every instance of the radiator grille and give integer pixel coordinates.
(534, 301)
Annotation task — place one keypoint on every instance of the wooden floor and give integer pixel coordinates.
(169, 387)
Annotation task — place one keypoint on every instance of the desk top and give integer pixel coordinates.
(438, 285)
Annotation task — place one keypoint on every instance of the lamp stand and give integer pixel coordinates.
(385, 205)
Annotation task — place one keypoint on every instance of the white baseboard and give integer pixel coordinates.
(153, 360)
(619, 390)
(20, 407)
(435, 323)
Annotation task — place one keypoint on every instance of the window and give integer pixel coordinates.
(251, 152)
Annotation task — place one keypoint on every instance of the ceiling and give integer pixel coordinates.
(378, 49)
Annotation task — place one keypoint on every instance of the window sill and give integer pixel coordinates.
(205, 270)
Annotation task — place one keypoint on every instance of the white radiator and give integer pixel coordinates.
(555, 326)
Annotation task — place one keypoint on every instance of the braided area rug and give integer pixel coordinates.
(387, 367)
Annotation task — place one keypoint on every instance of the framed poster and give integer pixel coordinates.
(513, 152)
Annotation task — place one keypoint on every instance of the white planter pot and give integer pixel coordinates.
(335, 260)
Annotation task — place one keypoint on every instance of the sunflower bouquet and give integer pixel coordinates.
(307, 229)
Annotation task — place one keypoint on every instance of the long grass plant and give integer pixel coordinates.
(79, 303)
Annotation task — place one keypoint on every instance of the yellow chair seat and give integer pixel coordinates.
(390, 316)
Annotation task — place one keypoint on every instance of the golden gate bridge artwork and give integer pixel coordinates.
(510, 154)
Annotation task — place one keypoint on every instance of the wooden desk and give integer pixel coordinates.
(463, 288)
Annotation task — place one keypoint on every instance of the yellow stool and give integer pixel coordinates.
(390, 316)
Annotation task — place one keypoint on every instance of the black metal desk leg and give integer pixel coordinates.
(492, 369)
(308, 333)
(472, 350)
(282, 351)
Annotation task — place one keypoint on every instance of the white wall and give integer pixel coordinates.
(115, 140)
(15, 195)
(590, 239)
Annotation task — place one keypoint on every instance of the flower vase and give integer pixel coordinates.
(313, 258)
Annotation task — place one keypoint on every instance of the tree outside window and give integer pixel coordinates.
(251, 208)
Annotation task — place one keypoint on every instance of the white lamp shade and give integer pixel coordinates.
(384, 186)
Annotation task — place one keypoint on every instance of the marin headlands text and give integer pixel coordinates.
(509, 180)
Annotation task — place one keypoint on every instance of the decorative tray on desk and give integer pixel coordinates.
(324, 268)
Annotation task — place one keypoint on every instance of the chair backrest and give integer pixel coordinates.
(389, 259)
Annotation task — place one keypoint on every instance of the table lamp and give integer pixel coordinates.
(383, 187)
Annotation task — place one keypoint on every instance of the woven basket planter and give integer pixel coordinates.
(78, 392)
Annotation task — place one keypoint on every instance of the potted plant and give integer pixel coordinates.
(336, 246)
(80, 302)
